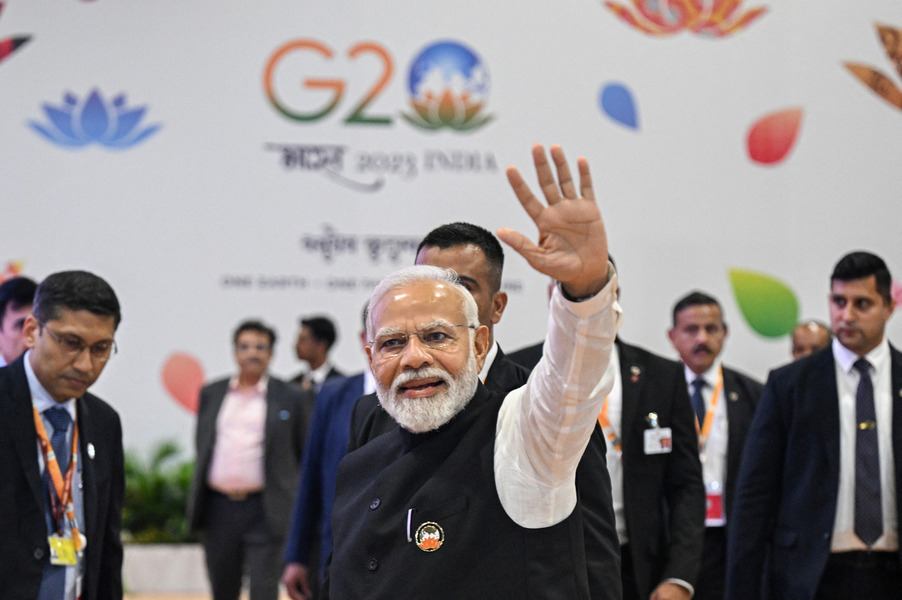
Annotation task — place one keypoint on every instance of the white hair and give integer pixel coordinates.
(415, 274)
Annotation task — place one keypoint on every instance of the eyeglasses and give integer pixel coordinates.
(74, 345)
(438, 337)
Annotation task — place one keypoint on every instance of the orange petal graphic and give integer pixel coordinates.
(892, 43)
(183, 377)
(772, 137)
(877, 81)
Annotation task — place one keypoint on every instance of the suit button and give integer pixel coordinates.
(372, 564)
(38, 553)
(375, 503)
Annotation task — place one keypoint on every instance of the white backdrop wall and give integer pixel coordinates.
(202, 223)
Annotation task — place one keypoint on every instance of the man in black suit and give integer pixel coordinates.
(16, 298)
(724, 401)
(315, 338)
(816, 513)
(477, 257)
(249, 441)
(60, 540)
(659, 496)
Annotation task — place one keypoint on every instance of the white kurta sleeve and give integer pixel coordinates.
(544, 426)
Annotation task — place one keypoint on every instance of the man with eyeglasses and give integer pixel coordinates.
(61, 461)
(474, 495)
(249, 441)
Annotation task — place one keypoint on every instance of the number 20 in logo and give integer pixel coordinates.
(447, 82)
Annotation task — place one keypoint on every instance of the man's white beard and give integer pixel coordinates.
(419, 415)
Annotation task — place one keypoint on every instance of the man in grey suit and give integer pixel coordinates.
(249, 441)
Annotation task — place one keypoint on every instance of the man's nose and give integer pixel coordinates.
(415, 353)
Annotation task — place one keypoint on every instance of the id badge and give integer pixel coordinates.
(62, 550)
(714, 516)
(658, 440)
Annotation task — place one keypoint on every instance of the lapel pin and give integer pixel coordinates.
(284, 414)
(652, 419)
(734, 396)
(430, 537)
(91, 451)
(635, 371)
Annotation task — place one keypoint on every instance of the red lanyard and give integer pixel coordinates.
(61, 502)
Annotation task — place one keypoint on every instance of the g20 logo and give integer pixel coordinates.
(447, 82)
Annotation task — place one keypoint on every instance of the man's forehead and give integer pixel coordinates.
(467, 260)
(698, 313)
(84, 323)
(427, 299)
(866, 286)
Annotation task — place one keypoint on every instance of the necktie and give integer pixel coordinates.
(868, 510)
(53, 578)
(698, 399)
(59, 418)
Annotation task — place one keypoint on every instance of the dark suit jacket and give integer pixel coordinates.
(741, 393)
(529, 356)
(663, 494)
(327, 444)
(23, 529)
(602, 549)
(286, 424)
(788, 482)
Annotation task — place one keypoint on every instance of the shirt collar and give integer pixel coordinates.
(260, 388)
(319, 374)
(710, 376)
(369, 382)
(489, 360)
(845, 358)
(41, 397)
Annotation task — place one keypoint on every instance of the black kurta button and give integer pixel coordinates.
(374, 504)
(38, 553)
(372, 564)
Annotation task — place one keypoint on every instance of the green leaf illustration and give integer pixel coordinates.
(769, 306)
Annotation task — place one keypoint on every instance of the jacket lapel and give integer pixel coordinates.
(86, 437)
(24, 437)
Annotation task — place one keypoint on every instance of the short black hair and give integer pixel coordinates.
(75, 290)
(259, 327)
(695, 298)
(461, 234)
(861, 264)
(16, 293)
(322, 328)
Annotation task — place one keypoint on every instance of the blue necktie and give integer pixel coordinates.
(53, 578)
(698, 399)
(868, 509)
(59, 418)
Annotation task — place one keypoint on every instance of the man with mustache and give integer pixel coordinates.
(474, 495)
(249, 440)
(724, 401)
(816, 513)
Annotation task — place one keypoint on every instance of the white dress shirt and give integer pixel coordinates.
(844, 538)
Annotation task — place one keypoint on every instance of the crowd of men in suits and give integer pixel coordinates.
(582, 467)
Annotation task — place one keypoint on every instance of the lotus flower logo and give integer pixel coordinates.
(712, 18)
(75, 123)
(882, 85)
(10, 45)
(448, 86)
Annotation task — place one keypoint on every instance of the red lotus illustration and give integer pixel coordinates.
(10, 45)
(882, 85)
(711, 18)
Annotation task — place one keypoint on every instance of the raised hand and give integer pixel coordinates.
(572, 246)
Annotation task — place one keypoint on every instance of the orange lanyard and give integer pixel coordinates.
(709, 414)
(62, 501)
(606, 426)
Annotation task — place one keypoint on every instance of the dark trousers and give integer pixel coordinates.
(713, 573)
(237, 540)
(628, 575)
(865, 575)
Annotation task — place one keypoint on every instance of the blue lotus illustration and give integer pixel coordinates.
(75, 123)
